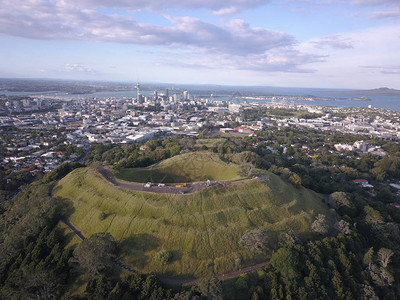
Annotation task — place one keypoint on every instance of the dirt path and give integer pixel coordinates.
(73, 229)
(167, 189)
(170, 280)
(177, 281)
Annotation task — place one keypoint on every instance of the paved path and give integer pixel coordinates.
(167, 189)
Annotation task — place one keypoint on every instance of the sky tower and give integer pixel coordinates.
(139, 97)
(137, 90)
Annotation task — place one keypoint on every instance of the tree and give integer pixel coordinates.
(286, 262)
(379, 173)
(368, 257)
(255, 240)
(95, 254)
(393, 230)
(380, 276)
(116, 293)
(42, 283)
(246, 169)
(295, 179)
(211, 288)
(386, 276)
(372, 216)
(385, 195)
(60, 171)
(367, 293)
(163, 257)
(288, 239)
(238, 262)
(384, 256)
(319, 225)
(341, 199)
(344, 227)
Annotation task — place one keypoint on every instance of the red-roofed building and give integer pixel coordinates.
(360, 181)
(363, 182)
(244, 129)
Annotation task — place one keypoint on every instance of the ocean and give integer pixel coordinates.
(225, 93)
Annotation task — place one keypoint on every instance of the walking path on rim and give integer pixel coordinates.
(168, 189)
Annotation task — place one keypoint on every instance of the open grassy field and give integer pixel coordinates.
(211, 142)
(188, 167)
(202, 229)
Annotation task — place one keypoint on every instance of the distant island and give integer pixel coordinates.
(383, 91)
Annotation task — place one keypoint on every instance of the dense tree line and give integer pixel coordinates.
(33, 260)
(331, 268)
(140, 154)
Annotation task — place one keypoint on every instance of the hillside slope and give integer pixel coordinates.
(202, 229)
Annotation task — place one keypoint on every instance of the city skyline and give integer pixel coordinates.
(324, 44)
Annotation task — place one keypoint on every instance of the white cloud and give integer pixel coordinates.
(219, 7)
(376, 48)
(234, 44)
(374, 2)
(395, 70)
(193, 42)
(392, 14)
(286, 59)
(73, 67)
(333, 41)
(392, 10)
(58, 21)
(225, 11)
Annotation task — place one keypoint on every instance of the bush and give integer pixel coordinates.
(163, 257)
(103, 216)
(61, 171)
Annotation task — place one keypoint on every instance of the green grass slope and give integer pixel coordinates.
(202, 229)
(188, 167)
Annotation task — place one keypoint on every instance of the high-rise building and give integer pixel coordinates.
(139, 96)
(185, 95)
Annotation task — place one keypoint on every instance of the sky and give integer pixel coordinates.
(303, 43)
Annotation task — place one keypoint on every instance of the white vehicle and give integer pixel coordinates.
(161, 184)
(148, 185)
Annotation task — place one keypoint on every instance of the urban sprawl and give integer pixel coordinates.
(33, 126)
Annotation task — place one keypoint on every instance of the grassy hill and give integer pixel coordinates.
(202, 229)
(193, 166)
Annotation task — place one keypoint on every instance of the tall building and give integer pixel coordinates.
(185, 95)
(139, 97)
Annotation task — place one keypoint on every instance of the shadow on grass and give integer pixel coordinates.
(68, 235)
(134, 249)
(176, 255)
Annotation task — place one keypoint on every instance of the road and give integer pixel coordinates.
(167, 189)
